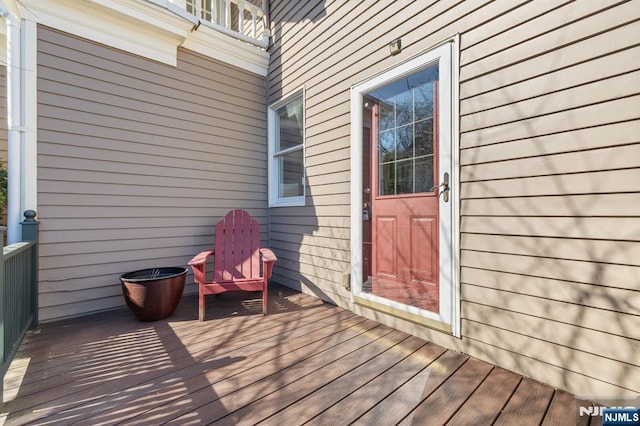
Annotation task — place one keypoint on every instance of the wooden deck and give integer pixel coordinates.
(306, 362)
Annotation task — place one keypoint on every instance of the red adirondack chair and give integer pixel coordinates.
(236, 260)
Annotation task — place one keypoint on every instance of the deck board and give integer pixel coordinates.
(564, 410)
(307, 361)
(374, 345)
(321, 398)
(233, 368)
(448, 398)
(530, 402)
(144, 362)
(484, 406)
(244, 389)
(400, 403)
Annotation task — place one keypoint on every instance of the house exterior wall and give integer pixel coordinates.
(3, 127)
(137, 161)
(4, 147)
(549, 168)
(3, 115)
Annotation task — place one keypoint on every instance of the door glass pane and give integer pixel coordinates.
(387, 172)
(404, 107)
(387, 146)
(424, 100)
(406, 134)
(404, 177)
(424, 174)
(424, 137)
(404, 147)
(387, 114)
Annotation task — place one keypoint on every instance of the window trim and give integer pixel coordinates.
(273, 168)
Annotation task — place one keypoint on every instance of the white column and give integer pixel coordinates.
(21, 118)
(14, 107)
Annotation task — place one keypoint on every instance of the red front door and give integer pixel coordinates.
(404, 202)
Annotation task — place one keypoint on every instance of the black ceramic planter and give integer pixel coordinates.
(153, 294)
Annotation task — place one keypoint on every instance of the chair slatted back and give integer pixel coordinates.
(237, 246)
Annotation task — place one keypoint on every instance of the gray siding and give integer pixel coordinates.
(3, 115)
(137, 161)
(3, 132)
(550, 171)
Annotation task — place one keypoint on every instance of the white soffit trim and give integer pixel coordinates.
(217, 45)
(12, 7)
(135, 26)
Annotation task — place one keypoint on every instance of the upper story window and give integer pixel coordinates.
(286, 151)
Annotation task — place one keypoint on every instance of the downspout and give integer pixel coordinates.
(14, 134)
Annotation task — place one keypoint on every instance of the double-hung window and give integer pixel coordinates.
(286, 151)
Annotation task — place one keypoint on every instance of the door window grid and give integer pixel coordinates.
(405, 135)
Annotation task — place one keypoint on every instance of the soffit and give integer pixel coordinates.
(153, 29)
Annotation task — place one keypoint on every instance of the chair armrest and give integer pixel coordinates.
(198, 264)
(267, 255)
(268, 259)
(201, 258)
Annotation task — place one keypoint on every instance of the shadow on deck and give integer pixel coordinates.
(307, 361)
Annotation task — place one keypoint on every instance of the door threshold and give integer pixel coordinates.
(399, 313)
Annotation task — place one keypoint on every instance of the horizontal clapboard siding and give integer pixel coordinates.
(549, 165)
(137, 161)
(3, 133)
(3, 115)
(550, 192)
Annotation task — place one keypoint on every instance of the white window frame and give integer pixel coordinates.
(446, 55)
(273, 168)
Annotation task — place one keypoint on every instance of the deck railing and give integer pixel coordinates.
(242, 19)
(18, 290)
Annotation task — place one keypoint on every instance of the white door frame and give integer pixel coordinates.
(448, 318)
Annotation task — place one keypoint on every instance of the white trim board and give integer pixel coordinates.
(138, 27)
(151, 29)
(214, 44)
